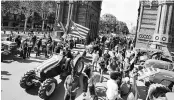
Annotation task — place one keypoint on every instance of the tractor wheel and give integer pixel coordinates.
(156, 91)
(47, 88)
(79, 65)
(26, 81)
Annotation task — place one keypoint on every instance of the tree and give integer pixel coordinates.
(123, 27)
(10, 8)
(47, 8)
(28, 8)
(107, 23)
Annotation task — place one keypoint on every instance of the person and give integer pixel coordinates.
(25, 47)
(34, 39)
(29, 48)
(86, 76)
(58, 48)
(113, 54)
(129, 63)
(71, 84)
(112, 92)
(119, 56)
(18, 40)
(102, 65)
(53, 45)
(49, 39)
(68, 53)
(124, 52)
(10, 37)
(95, 59)
(39, 44)
(49, 48)
(93, 79)
(107, 57)
(113, 65)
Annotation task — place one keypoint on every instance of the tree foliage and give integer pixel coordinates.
(123, 27)
(9, 7)
(30, 11)
(109, 24)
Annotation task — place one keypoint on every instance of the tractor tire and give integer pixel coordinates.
(157, 90)
(79, 65)
(26, 82)
(45, 91)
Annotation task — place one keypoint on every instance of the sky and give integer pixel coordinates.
(123, 10)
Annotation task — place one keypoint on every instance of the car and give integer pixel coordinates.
(163, 77)
(44, 74)
(158, 81)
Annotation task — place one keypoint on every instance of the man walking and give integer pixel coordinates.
(71, 85)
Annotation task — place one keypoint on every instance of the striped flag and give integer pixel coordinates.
(78, 30)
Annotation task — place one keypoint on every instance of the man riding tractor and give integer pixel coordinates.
(44, 74)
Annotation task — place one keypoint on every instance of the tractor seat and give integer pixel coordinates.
(66, 64)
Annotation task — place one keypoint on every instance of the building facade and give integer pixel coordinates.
(86, 13)
(156, 23)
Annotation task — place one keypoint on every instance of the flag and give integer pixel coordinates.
(78, 30)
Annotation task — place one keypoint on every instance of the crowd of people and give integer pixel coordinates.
(40, 45)
(118, 63)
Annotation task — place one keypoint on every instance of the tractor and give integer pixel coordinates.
(44, 74)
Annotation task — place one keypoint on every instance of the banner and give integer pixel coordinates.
(78, 30)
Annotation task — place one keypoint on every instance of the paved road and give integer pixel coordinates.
(11, 73)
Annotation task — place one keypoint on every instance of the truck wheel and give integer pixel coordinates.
(26, 81)
(157, 90)
(47, 88)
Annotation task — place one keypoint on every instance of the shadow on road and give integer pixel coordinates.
(5, 73)
(19, 59)
(33, 90)
(4, 78)
(59, 92)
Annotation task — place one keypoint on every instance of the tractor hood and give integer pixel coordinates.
(50, 63)
(159, 64)
(163, 75)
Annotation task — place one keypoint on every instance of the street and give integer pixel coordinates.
(12, 72)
